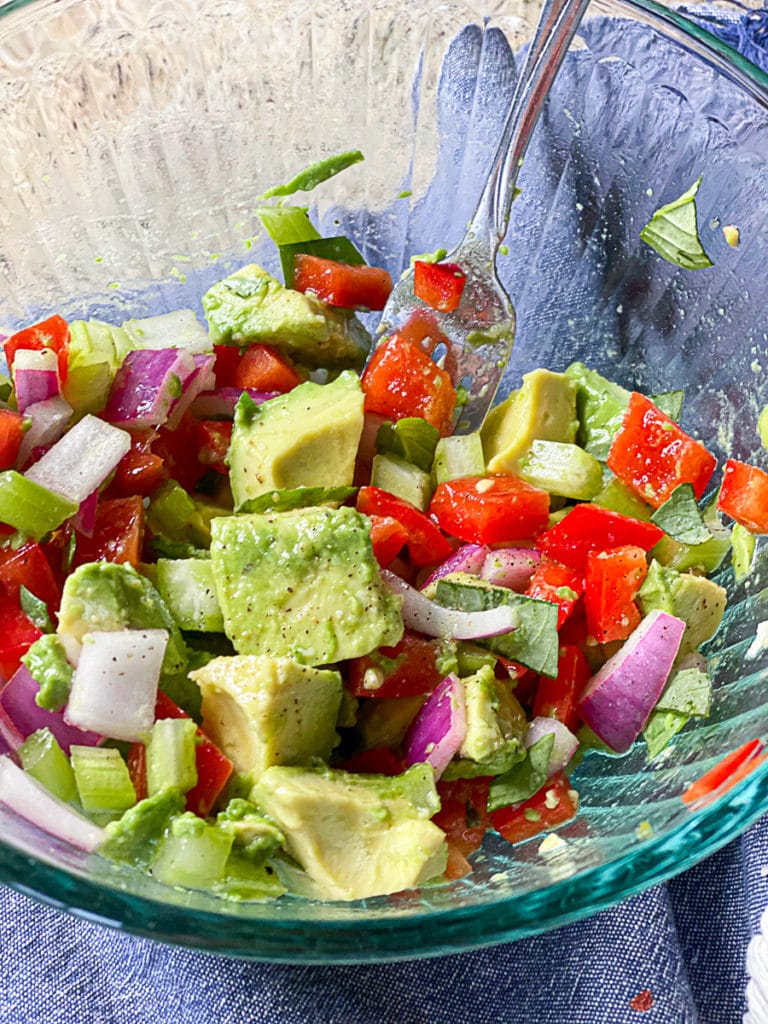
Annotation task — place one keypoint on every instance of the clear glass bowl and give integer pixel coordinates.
(137, 135)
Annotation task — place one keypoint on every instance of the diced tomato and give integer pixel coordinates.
(178, 449)
(613, 579)
(554, 582)
(464, 818)
(426, 544)
(440, 285)
(401, 380)
(52, 333)
(139, 471)
(376, 761)
(11, 435)
(213, 768)
(558, 697)
(408, 668)
(118, 533)
(17, 634)
(339, 284)
(554, 804)
(652, 455)
(264, 369)
(388, 537)
(490, 509)
(225, 367)
(421, 329)
(58, 550)
(592, 528)
(726, 773)
(744, 495)
(213, 439)
(137, 769)
(27, 566)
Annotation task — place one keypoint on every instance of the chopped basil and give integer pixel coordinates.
(660, 728)
(316, 174)
(680, 517)
(525, 779)
(411, 438)
(689, 692)
(296, 497)
(670, 403)
(35, 609)
(673, 232)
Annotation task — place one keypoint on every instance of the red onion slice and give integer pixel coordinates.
(203, 378)
(468, 558)
(146, 387)
(221, 404)
(510, 567)
(82, 460)
(85, 520)
(564, 746)
(438, 730)
(31, 800)
(17, 702)
(432, 619)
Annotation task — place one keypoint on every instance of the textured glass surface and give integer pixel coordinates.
(137, 136)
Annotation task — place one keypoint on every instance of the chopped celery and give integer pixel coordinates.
(170, 510)
(288, 498)
(315, 174)
(743, 550)
(402, 478)
(103, 783)
(43, 759)
(472, 658)
(30, 508)
(561, 468)
(46, 661)
(171, 755)
(245, 880)
(193, 853)
(287, 224)
(458, 456)
(617, 497)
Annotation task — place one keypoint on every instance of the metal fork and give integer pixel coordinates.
(477, 337)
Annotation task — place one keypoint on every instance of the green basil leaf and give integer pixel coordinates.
(688, 692)
(411, 438)
(660, 728)
(670, 403)
(35, 609)
(525, 779)
(680, 517)
(673, 232)
(297, 497)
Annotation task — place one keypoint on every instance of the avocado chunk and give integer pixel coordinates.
(496, 725)
(186, 585)
(100, 597)
(544, 409)
(356, 836)
(302, 584)
(250, 306)
(695, 599)
(600, 405)
(266, 711)
(308, 437)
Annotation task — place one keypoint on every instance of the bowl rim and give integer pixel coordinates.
(429, 931)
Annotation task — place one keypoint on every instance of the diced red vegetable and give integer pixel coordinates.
(12, 426)
(137, 769)
(52, 333)
(17, 634)
(558, 698)
(554, 582)
(225, 367)
(213, 768)
(490, 509)
(118, 533)
(440, 285)
(178, 450)
(426, 544)
(726, 773)
(388, 537)
(592, 528)
(213, 438)
(744, 495)
(439, 728)
(464, 818)
(140, 471)
(339, 284)
(401, 380)
(652, 455)
(264, 369)
(376, 761)
(408, 668)
(613, 579)
(553, 805)
(27, 566)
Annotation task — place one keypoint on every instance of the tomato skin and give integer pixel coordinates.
(11, 435)
(464, 818)
(401, 380)
(744, 495)
(118, 533)
(376, 761)
(426, 544)
(340, 284)
(490, 509)
(262, 368)
(225, 367)
(613, 579)
(407, 669)
(29, 567)
(558, 697)
(727, 772)
(652, 455)
(512, 824)
(388, 537)
(139, 471)
(593, 528)
(440, 285)
(554, 582)
(52, 333)
(213, 440)
(17, 634)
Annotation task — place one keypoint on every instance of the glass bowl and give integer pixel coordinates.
(137, 135)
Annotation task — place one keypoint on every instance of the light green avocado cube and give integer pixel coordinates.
(269, 711)
(695, 599)
(302, 584)
(544, 409)
(308, 437)
(355, 836)
(250, 306)
(187, 587)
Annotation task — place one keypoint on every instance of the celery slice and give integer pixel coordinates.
(102, 779)
(171, 755)
(457, 456)
(43, 759)
(287, 224)
(31, 508)
(193, 853)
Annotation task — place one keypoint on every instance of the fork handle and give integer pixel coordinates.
(556, 27)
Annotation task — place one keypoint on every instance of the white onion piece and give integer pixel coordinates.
(564, 746)
(114, 687)
(621, 695)
(178, 329)
(31, 800)
(468, 558)
(439, 729)
(432, 619)
(510, 567)
(203, 378)
(82, 459)
(49, 421)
